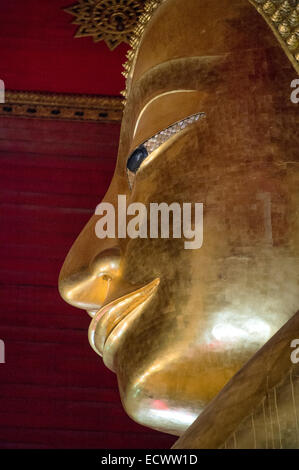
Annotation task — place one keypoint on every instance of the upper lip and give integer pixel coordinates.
(111, 314)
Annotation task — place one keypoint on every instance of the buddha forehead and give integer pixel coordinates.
(197, 28)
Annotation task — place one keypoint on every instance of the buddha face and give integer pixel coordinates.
(173, 323)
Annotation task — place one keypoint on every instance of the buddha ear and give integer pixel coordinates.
(283, 22)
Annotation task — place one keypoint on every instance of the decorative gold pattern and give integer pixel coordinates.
(269, 418)
(281, 15)
(283, 18)
(148, 11)
(112, 21)
(61, 106)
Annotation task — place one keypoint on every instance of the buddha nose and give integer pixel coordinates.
(106, 264)
(87, 288)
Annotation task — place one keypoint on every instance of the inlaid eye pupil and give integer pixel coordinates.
(136, 158)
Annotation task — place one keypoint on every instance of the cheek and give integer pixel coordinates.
(145, 259)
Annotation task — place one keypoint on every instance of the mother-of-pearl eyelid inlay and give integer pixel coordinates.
(158, 139)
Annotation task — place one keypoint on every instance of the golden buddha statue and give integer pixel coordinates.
(208, 119)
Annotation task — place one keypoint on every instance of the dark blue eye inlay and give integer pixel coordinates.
(136, 158)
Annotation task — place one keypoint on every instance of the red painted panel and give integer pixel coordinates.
(38, 51)
(55, 392)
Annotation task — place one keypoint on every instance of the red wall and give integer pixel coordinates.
(54, 392)
(38, 51)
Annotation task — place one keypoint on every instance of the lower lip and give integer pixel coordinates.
(113, 319)
(117, 335)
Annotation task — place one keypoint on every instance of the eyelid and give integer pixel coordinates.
(158, 139)
(158, 97)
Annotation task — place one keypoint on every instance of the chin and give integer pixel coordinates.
(161, 413)
(155, 414)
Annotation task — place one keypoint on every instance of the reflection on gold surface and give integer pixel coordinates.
(258, 407)
(174, 324)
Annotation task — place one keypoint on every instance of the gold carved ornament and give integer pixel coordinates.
(62, 106)
(112, 21)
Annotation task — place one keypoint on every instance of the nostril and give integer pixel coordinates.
(106, 264)
(88, 286)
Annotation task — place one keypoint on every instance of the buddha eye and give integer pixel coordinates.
(136, 158)
(151, 144)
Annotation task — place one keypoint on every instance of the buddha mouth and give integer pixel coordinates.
(118, 313)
